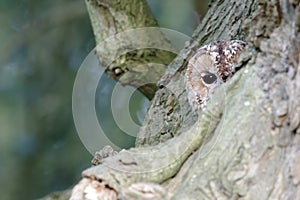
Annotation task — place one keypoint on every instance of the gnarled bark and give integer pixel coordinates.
(110, 21)
(246, 144)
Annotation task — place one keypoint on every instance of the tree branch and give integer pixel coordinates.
(137, 67)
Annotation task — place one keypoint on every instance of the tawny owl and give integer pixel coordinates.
(212, 65)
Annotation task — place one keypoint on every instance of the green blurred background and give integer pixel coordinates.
(42, 44)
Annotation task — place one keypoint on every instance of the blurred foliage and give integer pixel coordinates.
(42, 45)
(183, 16)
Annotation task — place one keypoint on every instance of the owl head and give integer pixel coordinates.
(209, 67)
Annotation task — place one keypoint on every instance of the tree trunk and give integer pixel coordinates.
(245, 144)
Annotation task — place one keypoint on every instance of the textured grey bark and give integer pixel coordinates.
(246, 144)
(254, 151)
(140, 70)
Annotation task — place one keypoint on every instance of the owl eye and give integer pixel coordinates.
(209, 78)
